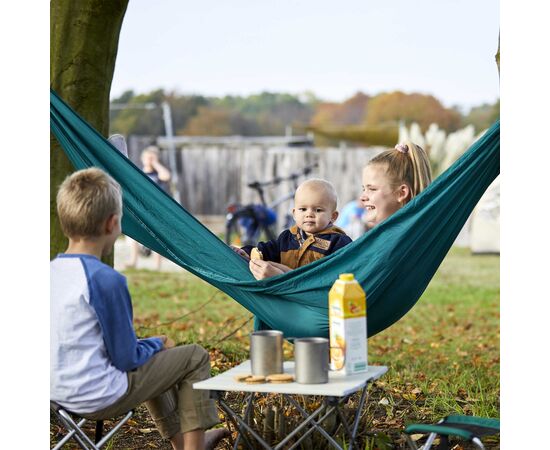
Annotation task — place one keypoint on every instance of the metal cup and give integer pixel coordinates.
(311, 357)
(266, 352)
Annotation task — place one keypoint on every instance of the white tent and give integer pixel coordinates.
(485, 222)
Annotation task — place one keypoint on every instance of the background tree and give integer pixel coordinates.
(357, 134)
(220, 121)
(497, 56)
(131, 118)
(391, 108)
(483, 116)
(350, 112)
(128, 115)
(83, 46)
(272, 112)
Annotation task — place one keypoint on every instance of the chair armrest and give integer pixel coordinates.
(439, 429)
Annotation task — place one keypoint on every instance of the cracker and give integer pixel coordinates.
(280, 378)
(255, 379)
(256, 254)
(240, 378)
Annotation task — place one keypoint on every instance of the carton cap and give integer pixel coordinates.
(346, 277)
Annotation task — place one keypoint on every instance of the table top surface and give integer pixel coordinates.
(338, 385)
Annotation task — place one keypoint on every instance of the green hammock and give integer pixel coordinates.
(394, 262)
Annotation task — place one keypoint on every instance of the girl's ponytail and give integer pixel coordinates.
(422, 174)
(408, 164)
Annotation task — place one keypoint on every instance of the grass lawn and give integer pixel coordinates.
(443, 356)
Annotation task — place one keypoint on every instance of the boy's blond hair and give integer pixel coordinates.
(323, 185)
(85, 200)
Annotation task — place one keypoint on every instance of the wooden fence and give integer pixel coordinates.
(214, 174)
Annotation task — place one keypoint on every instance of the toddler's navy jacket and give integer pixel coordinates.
(294, 248)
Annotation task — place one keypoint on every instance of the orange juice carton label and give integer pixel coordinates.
(348, 326)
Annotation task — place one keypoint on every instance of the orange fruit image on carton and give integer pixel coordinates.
(337, 351)
(348, 326)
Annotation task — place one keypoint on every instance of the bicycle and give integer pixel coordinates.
(244, 225)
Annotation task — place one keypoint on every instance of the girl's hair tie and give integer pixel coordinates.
(403, 148)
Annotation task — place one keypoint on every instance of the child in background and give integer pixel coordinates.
(314, 234)
(351, 219)
(98, 368)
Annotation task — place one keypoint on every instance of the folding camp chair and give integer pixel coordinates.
(76, 431)
(470, 428)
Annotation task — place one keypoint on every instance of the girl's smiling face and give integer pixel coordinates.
(379, 197)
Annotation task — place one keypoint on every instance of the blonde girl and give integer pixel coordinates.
(392, 179)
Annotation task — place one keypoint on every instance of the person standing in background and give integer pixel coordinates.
(154, 169)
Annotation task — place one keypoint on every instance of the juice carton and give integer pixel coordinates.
(348, 326)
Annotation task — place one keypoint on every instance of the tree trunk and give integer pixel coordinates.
(497, 56)
(83, 46)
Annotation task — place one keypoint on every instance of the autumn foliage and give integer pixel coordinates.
(362, 119)
(423, 109)
(350, 112)
(375, 120)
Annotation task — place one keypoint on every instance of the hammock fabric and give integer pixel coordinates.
(394, 262)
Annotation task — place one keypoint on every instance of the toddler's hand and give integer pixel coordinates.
(263, 269)
(240, 251)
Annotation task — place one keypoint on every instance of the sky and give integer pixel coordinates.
(444, 48)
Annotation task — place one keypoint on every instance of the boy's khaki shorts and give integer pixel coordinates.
(165, 385)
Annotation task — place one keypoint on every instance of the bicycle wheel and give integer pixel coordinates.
(233, 234)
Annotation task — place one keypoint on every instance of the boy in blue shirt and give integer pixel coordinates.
(98, 368)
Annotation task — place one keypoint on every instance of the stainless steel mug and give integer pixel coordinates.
(266, 352)
(311, 356)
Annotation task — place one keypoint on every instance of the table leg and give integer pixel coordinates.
(358, 417)
(246, 416)
(240, 424)
(351, 433)
(343, 419)
(310, 418)
(313, 428)
(329, 405)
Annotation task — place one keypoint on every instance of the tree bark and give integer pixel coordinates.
(83, 47)
(497, 56)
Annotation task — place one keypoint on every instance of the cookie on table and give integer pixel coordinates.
(255, 379)
(241, 377)
(280, 378)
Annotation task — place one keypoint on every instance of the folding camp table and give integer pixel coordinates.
(336, 392)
